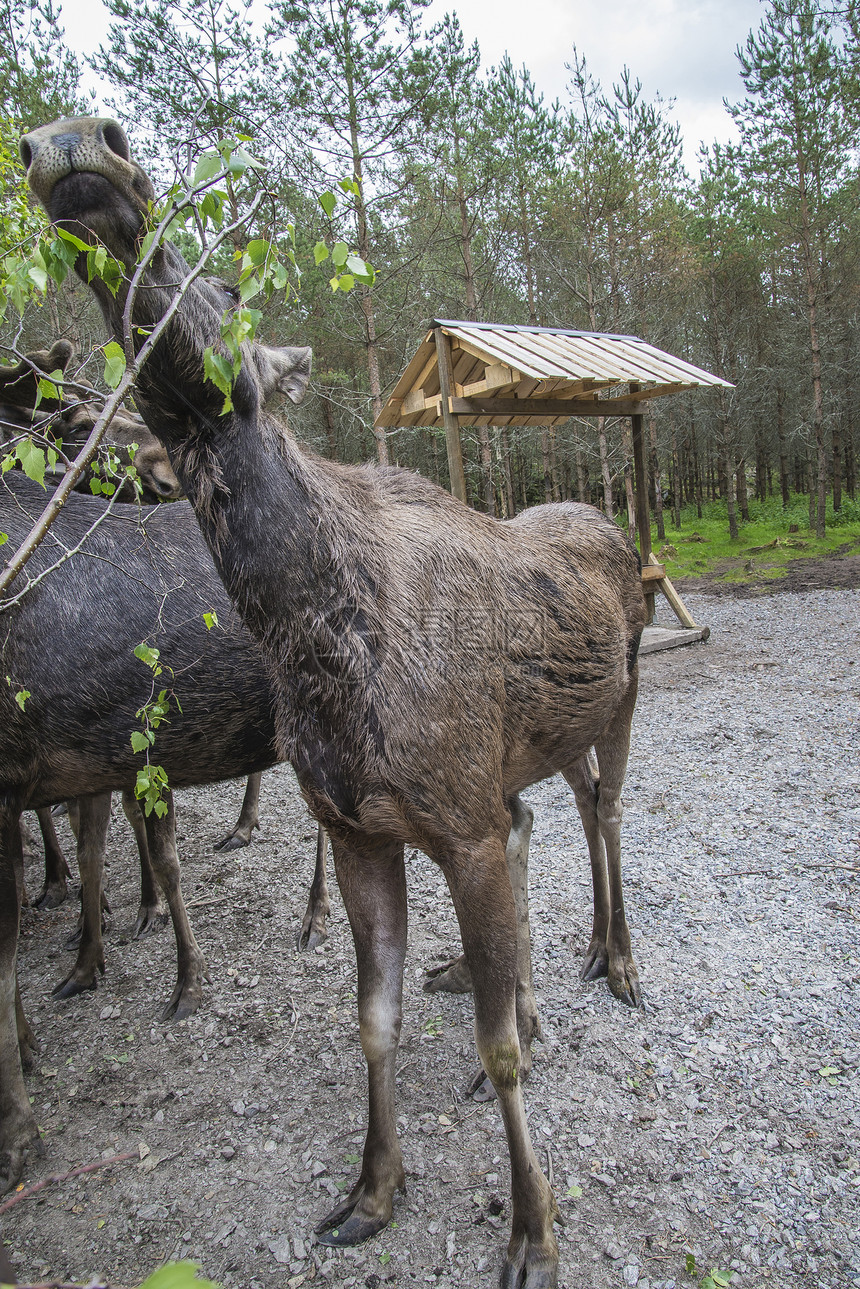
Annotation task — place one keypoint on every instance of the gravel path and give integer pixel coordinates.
(721, 1120)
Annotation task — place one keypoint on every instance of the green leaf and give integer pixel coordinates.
(362, 271)
(114, 364)
(140, 741)
(384, 1258)
(328, 201)
(72, 239)
(320, 253)
(209, 165)
(177, 1275)
(349, 186)
(146, 654)
(46, 389)
(219, 370)
(21, 697)
(346, 282)
(38, 276)
(32, 461)
(339, 254)
(4, 537)
(211, 620)
(574, 1192)
(257, 250)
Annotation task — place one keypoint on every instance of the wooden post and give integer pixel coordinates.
(643, 514)
(451, 422)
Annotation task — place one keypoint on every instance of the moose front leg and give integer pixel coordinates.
(480, 886)
(18, 1128)
(372, 882)
(57, 872)
(151, 912)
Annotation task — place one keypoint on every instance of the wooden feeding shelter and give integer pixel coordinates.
(479, 373)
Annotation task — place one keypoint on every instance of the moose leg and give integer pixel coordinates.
(57, 871)
(585, 786)
(249, 817)
(373, 885)
(190, 965)
(18, 1129)
(455, 977)
(612, 750)
(152, 912)
(479, 883)
(93, 820)
(313, 930)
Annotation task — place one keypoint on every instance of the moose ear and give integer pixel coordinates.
(284, 370)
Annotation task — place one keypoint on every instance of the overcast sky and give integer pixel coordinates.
(682, 49)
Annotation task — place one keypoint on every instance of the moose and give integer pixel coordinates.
(428, 662)
(70, 422)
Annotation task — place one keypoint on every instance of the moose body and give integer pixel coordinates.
(140, 577)
(429, 663)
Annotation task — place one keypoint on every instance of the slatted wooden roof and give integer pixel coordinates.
(507, 375)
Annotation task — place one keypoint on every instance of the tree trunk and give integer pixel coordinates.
(657, 479)
(629, 490)
(783, 458)
(604, 467)
(581, 475)
(329, 427)
(487, 469)
(504, 455)
(837, 464)
(546, 461)
(743, 495)
(813, 499)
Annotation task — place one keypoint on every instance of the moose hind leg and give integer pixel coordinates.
(190, 965)
(479, 883)
(249, 817)
(313, 929)
(93, 821)
(372, 882)
(152, 912)
(583, 780)
(57, 872)
(612, 750)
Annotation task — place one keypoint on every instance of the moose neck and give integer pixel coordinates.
(257, 496)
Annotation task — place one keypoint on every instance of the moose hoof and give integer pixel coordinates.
(529, 1268)
(79, 982)
(13, 1158)
(185, 999)
(596, 963)
(480, 1088)
(312, 934)
(52, 895)
(347, 1224)
(149, 918)
(451, 978)
(624, 983)
(233, 841)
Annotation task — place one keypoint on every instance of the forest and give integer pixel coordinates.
(474, 198)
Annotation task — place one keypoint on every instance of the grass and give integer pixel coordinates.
(703, 546)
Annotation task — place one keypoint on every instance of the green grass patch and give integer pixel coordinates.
(702, 546)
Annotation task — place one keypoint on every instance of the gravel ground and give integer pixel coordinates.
(721, 1119)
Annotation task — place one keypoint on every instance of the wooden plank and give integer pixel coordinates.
(497, 347)
(679, 608)
(452, 425)
(655, 639)
(653, 572)
(495, 376)
(547, 406)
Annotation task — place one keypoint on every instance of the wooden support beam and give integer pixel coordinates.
(682, 613)
(547, 406)
(494, 377)
(452, 425)
(643, 514)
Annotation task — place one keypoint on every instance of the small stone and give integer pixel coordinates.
(631, 1274)
(238, 1108)
(281, 1250)
(228, 1152)
(318, 1168)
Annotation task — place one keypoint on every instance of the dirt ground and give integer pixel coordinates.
(841, 569)
(722, 1119)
